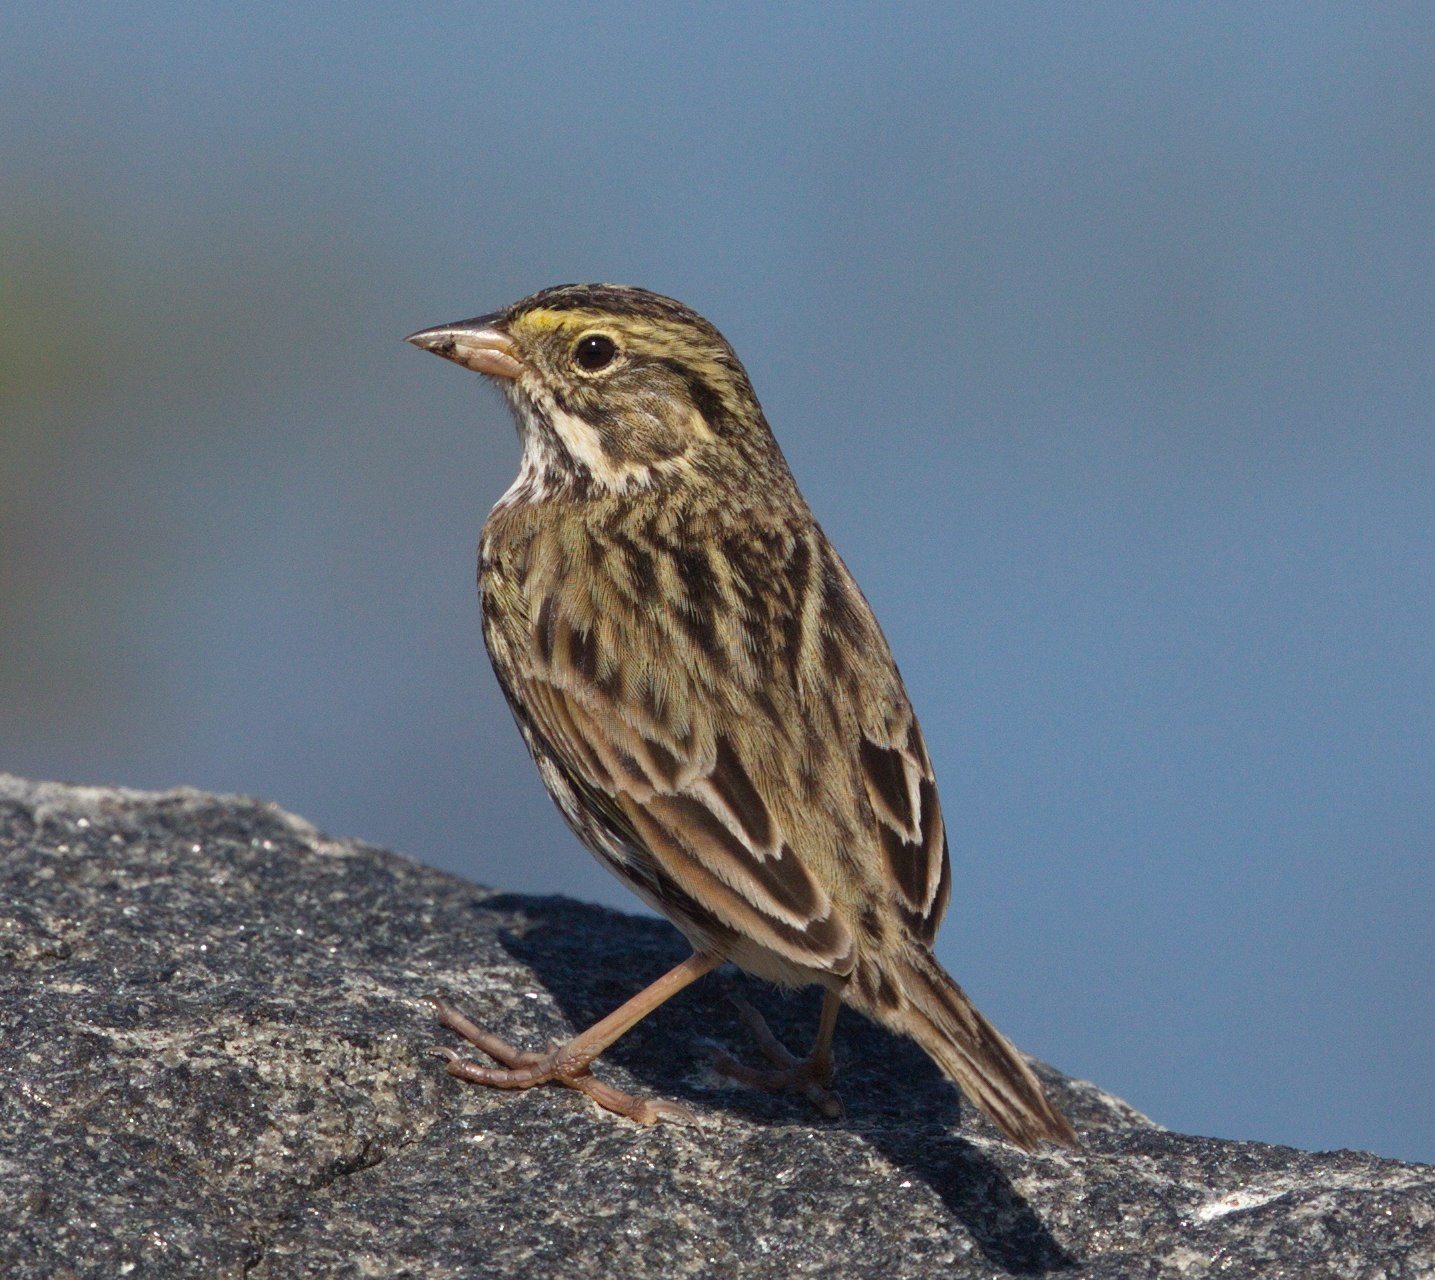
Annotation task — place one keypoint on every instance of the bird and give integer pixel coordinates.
(710, 701)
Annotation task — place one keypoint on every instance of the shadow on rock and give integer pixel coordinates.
(590, 960)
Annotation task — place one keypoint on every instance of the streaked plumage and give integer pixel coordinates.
(704, 689)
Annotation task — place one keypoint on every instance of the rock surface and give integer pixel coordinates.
(214, 1059)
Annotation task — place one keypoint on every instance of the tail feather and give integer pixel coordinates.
(984, 1064)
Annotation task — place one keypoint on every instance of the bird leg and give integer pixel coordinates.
(809, 1076)
(570, 1064)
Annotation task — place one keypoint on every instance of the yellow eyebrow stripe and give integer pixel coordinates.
(547, 319)
(550, 320)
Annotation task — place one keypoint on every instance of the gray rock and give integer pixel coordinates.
(214, 1056)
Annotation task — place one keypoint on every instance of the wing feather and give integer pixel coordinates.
(733, 723)
(903, 796)
(689, 812)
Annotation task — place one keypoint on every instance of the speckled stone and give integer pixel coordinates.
(214, 1064)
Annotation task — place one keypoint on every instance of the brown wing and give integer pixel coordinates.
(742, 750)
(903, 795)
(668, 800)
(896, 775)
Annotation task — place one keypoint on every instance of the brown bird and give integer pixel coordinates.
(708, 697)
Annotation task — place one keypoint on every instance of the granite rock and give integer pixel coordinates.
(215, 1035)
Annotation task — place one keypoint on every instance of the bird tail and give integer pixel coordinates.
(984, 1064)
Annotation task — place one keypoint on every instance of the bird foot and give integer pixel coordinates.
(808, 1076)
(565, 1064)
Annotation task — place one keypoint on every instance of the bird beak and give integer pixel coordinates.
(477, 344)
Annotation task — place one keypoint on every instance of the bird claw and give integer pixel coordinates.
(522, 1069)
(809, 1076)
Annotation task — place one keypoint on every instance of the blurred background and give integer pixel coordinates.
(1099, 337)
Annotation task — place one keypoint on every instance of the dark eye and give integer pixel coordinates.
(594, 351)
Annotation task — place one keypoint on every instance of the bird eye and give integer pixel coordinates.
(595, 351)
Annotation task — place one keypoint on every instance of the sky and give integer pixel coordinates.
(1099, 338)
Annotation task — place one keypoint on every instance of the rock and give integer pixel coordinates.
(215, 1064)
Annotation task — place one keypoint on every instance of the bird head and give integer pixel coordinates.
(616, 389)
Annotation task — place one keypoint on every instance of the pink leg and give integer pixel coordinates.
(809, 1076)
(570, 1064)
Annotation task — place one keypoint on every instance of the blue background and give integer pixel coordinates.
(1099, 337)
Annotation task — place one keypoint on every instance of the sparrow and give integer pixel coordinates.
(709, 699)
